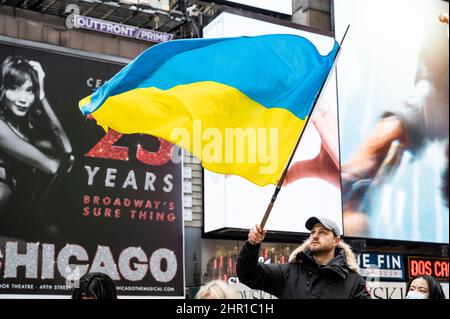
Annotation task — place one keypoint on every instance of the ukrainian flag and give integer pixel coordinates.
(243, 102)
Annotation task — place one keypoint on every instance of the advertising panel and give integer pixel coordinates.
(382, 266)
(393, 118)
(281, 6)
(232, 202)
(430, 266)
(74, 198)
(387, 290)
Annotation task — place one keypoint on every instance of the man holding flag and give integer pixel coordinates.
(323, 267)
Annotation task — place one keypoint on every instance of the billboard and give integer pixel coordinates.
(382, 266)
(232, 202)
(393, 119)
(281, 6)
(77, 199)
(387, 290)
(429, 266)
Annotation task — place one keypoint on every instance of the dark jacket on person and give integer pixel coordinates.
(302, 277)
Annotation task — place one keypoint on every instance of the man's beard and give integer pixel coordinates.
(319, 249)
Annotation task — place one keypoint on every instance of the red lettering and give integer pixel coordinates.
(97, 212)
(105, 148)
(138, 203)
(444, 268)
(106, 201)
(415, 268)
(158, 158)
(427, 268)
(437, 268)
(441, 269)
(421, 267)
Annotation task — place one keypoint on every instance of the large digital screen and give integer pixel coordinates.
(312, 186)
(393, 117)
(281, 6)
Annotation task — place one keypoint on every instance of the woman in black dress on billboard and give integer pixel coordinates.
(32, 139)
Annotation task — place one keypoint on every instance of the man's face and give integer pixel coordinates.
(322, 239)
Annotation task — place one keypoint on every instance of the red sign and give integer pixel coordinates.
(431, 266)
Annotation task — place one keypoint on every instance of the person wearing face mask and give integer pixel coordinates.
(424, 287)
(32, 140)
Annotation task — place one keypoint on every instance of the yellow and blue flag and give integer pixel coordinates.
(237, 104)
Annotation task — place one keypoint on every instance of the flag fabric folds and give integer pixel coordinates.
(243, 102)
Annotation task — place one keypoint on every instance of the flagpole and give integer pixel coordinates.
(283, 176)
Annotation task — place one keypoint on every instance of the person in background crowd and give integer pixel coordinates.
(424, 287)
(95, 285)
(323, 267)
(216, 289)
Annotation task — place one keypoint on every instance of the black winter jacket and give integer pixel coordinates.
(302, 277)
